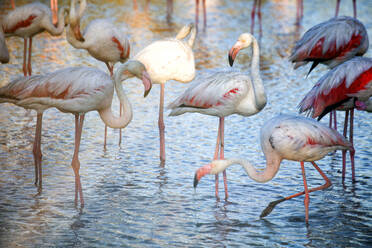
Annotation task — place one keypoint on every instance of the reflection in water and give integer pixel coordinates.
(131, 199)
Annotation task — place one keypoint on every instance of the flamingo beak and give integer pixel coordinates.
(146, 80)
(76, 30)
(201, 172)
(233, 52)
(54, 8)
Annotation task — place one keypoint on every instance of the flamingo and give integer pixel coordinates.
(29, 20)
(342, 88)
(75, 90)
(169, 59)
(101, 39)
(287, 137)
(4, 53)
(225, 92)
(338, 7)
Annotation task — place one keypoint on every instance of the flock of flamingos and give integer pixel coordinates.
(338, 43)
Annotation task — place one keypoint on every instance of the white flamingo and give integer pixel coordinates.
(287, 137)
(28, 20)
(169, 59)
(75, 90)
(225, 92)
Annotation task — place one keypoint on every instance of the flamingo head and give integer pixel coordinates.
(213, 168)
(137, 69)
(244, 41)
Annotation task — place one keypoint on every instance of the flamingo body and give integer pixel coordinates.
(331, 42)
(168, 59)
(352, 79)
(220, 93)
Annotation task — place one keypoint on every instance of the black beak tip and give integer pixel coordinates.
(195, 181)
(231, 61)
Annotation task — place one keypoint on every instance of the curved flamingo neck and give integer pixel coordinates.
(259, 91)
(272, 167)
(106, 114)
(49, 26)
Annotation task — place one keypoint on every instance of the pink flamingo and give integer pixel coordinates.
(101, 39)
(29, 20)
(75, 90)
(225, 92)
(338, 7)
(169, 59)
(287, 137)
(343, 88)
(4, 53)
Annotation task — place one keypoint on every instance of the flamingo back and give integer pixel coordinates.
(217, 93)
(352, 78)
(169, 59)
(331, 42)
(300, 139)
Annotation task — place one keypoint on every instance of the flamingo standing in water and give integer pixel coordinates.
(75, 90)
(169, 59)
(345, 87)
(287, 137)
(29, 20)
(225, 92)
(101, 39)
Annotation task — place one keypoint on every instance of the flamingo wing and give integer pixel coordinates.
(338, 38)
(220, 90)
(352, 78)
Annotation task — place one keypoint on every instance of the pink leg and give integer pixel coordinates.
(135, 5)
(259, 17)
(344, 151)
(355, 8)
(307, 198)
(352, 153)
(253, 14)
(24, 57)
(75, 159)
(111, 70)
(204, 14)
(37, 152)
(330, 120)
(337, 7)
(222, 155)
(196, 13)
(29, 57)
(169, 10)
(335, 119)
(12, 3)
(161, 124)
(216, 152)
(54, 8)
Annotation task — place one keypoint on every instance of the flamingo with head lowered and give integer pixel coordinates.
(169, 59)
(225, 92)
(28, 20)
(287, 137)
(345, 87)
(101, 38)
(75, 90)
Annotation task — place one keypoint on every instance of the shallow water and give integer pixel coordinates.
(130, 200)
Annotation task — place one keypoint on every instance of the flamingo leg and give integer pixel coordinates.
(307, 198)
(196, 12)
(337, 7)
(272, 204)
(135, 7)
(352, 153)
(335, 119)
(169, 10)
(37, 152)
(29, 56)
(161, 124)
(24, 57)
(111, 70)
(204, 14)
(216, 152)
(344, 151)
(330, 120)
(54, 8)
(355, 8)
(12, 3)
(299, 12)
(259, 17)
(253, 13)
(79, 120)
(222, 155)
